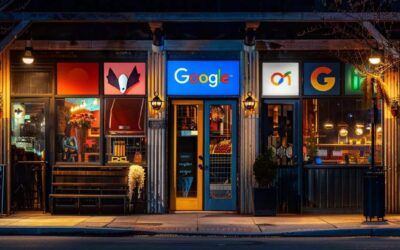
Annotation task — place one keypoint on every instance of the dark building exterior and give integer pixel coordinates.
(140, 107)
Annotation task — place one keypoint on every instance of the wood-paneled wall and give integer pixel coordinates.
(248, 143)
(156, 146)
(391, 145)
(5, 118)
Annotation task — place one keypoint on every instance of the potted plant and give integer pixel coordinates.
(265, 194)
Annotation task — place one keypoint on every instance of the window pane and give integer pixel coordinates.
(124, 128)
(338, 131)
(78, 129)
(77, 79)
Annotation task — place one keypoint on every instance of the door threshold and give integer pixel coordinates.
(202, 212)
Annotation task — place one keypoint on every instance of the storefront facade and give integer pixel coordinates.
(315, 122)
(87, 105)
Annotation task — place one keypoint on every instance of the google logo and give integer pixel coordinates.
(213, 80)
(278, 78)
(329, 81)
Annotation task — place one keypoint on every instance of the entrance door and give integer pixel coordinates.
(280, 132)
(220, 155)
(187, 157)
(28, 153)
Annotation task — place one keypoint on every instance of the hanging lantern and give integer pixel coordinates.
(156, 102)
(249, 102)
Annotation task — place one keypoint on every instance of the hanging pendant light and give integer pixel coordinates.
(28, 58)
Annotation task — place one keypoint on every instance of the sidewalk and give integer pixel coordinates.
(200, 224)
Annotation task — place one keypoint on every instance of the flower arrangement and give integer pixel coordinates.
(81, 120)
(136, 177)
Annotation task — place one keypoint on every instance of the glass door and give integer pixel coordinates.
(280, 133)
(187, 159)
(220, 155)
(28, 153)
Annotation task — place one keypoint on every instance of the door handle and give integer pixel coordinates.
(201, 157)
(201, 166)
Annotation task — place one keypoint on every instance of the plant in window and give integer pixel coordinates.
(312, 148)
(81, 120)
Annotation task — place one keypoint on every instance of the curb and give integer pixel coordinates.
(65, 231)
(117, 232)
(353, 232)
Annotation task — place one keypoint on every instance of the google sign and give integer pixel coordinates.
(196, 78)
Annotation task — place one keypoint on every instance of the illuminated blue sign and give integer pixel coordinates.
(203, 78)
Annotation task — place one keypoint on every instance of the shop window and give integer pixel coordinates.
(338, 131)
(31, 82)
(78, 129)
(124, 130)
(77, 79)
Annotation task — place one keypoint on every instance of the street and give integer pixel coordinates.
(178, 242)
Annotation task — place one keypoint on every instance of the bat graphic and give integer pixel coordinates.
(123, 82)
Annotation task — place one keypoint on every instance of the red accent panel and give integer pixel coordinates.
(77, 79)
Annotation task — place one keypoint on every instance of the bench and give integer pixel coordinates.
(89, 189)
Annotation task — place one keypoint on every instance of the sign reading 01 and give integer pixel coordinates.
(280, 79)
(321, 78)
(203, 78)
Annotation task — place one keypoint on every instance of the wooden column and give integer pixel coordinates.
(249, 131)
(5, 122)
(391, 139)
(156, 136)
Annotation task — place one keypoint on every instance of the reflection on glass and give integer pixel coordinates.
(280, 132)
(220, 166)
(124, 129)
(186, 155)
(28, 131)
(348, 141)
(78, 129)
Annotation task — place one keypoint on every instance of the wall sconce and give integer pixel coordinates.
(329, 125)
(375, 57)
(156, 102)
(249, 102)
(28, 58)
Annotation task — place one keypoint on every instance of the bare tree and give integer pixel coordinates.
(376, 36)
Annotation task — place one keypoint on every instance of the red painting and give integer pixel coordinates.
(124, 78)
(77, 79)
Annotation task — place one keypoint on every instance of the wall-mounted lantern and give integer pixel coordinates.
(156, 102)
(249, 102)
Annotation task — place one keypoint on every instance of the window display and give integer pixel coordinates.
(78, 121)
(124, 130)
(338, 131)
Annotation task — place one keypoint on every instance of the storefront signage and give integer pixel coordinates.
(124, 78)
(280, 79)
(321, 79)
(353, 81)
(203, 78)
(77, 78)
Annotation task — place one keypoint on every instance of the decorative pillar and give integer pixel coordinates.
(249, 131)
(5, 86)
(156, 136)
(390, 142)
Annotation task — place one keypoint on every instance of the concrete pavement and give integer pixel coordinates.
(207, 223)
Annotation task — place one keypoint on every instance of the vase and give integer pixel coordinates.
(81, 135)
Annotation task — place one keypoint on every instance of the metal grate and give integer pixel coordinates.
(186, 117)
(220, 165)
